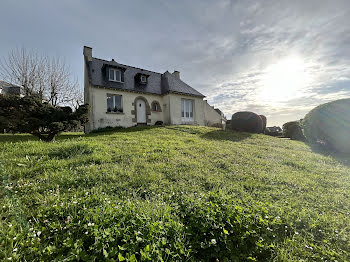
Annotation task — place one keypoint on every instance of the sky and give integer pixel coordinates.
(274, 57)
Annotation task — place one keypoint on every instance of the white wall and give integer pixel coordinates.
(211, 116)
(203, 113)
(175, 109)
(100, 118)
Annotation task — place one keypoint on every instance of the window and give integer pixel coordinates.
(187, 109)
(143, 79)
(115, 75)
(156, 106)
(114, 103)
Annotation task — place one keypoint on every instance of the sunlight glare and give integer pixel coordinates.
(284, 80)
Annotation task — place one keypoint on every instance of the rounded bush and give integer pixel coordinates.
(293, 131)
(247, 122)
(329, 124)
(264, 119)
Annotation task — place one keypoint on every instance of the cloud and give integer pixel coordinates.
(270, 31)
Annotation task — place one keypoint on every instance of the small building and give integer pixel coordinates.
(274, 129)
(9, 89)
(122, 95)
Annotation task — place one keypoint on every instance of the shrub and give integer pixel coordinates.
(30, 115)
(329, 124)
(247, 122)
(158, 123)
(264, 119)
(228, 124)
(293, 131)
(218, 125)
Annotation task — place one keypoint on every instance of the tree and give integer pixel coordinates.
(29, 114)
(45, 77)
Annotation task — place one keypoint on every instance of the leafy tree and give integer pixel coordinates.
(30, 115)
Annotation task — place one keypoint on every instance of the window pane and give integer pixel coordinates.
(118, 103)
(111, 74)
(110, 103)
(117, 75)
(191, 108)
(182, 108)
(187, 111)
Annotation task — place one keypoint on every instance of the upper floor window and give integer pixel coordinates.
(143, 79)
(187, 109)
(115, 75)
(114, 103)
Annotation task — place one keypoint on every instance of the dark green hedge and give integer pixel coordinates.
(329, 124)
(293, 131)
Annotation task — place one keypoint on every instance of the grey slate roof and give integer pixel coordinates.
(172, 84)
(157, 83)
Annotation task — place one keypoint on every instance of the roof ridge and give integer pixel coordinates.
(128, 65)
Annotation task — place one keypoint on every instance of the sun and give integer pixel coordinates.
(284, 80)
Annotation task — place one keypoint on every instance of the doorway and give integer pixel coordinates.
(140, 111)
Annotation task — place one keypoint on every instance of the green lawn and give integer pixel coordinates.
(174, 193)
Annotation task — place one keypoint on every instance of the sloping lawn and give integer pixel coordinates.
(171, 193)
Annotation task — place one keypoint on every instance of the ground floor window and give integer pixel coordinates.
(187, 109)
(114, 103)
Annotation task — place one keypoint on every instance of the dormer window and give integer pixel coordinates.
(141, 78)
(115, 75)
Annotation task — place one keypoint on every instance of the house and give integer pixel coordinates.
(121, 95)
(274, 129)
(9, 89)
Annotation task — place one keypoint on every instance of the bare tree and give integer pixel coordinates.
(50, 78)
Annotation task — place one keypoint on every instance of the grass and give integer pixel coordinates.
(174, 193)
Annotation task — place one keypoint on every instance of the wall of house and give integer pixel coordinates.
(212, 117)
(174, 101)
(100, 118)
(166, 109)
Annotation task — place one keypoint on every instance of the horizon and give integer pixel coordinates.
(275, 58)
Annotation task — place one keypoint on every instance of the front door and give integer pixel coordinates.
(141, 111)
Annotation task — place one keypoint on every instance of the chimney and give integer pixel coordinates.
(176, 74)
(87, 51)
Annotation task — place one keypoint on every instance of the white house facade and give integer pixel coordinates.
(121, 95)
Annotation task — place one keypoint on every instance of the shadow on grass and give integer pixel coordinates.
(226, 135)
(14, 138)
(109, 131)
(343, 158)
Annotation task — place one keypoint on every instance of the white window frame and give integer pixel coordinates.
(114, 74)
(187, 110)
(143, 79)
(114, 103)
